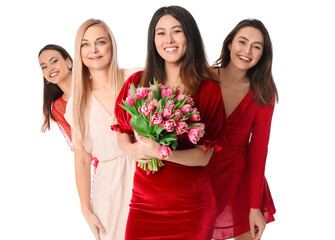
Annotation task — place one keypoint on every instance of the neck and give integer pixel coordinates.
(234, 74)
(172, 72)
(65, 85)
(100, 80)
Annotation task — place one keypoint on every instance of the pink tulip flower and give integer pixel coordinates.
(164, 152)
(181, 127)
(169, 125)
(156, 119)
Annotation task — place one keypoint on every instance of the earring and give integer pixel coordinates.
(47, 81)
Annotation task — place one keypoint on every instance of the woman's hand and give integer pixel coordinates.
(146, 149)
(94, 224)
(257, 224)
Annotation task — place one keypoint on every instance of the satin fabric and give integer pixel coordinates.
(111, 191)
(177, 202)
(237, 171)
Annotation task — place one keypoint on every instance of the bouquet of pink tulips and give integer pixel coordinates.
(161, 113)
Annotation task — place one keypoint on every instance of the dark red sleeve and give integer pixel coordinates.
(122, 116)
(210, 105)
(257, 153)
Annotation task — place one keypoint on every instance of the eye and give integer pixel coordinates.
(54, 61)
(160, 33)
(258, 47)
(101, 42)
(177, 31)
(44, 67)
(84, 44)
(241, 41)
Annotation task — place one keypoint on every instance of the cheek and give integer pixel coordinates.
(258, 56)
(156, 41)
(44, 72)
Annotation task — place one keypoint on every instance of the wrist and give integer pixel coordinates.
(86, 212)
(254, 209)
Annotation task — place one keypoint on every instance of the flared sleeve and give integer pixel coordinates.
(257, 153)
(209, 102)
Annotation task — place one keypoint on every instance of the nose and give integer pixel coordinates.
(94, 48)
(169, 38)
(248, 49)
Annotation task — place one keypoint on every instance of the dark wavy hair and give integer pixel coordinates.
(194, 66)
(51, 92)
(262, 85)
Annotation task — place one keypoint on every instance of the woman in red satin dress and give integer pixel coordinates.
(237, 171)
(176, 202)
(56, 65)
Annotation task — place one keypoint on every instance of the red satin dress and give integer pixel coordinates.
(58, 110)
(237, 171)
(177, 202)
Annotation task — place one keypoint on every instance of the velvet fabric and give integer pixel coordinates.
(237, 171)
(177, 202)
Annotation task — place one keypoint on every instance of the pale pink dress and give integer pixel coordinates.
(113, 183)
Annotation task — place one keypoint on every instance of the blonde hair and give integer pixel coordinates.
(82, 85)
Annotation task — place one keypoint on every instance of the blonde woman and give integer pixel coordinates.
(97, 80)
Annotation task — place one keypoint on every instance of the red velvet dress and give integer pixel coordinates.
(237, 171)
(58, 110)
(177, 202)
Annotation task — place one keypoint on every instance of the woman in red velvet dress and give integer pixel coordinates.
(177, 202)
(56, 65)
(237, 171)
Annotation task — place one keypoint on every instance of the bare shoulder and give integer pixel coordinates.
(131, 71)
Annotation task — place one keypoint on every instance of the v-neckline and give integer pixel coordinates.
(101, 106)
(237, 107)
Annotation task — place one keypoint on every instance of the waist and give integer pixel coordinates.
(171, 174)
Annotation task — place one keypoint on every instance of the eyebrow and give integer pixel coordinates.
(95, 39)
(248, 40)
(49, 61)
(177, 26)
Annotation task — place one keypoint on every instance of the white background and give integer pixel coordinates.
(38, 198)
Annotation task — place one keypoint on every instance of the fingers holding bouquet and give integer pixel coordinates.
(159, 115)
(146, 148)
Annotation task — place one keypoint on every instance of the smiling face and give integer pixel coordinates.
(54, 67)
(170, 40)
(96, 48)
(246, 48)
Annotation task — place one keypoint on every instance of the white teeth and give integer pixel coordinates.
(54, 74)
(244, 58)
(170, 49)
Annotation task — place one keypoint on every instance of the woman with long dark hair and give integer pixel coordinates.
(249, 93)
(177, 202)
(56, 64)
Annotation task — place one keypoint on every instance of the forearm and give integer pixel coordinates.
(191, 157)
(83, 179)
(126, 144)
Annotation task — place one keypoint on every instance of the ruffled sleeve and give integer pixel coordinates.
(257, 153)
(122, 116)
(209, 102)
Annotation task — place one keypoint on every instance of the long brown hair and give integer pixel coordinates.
(262, 85)
(51, 92)
(194, 64)
(82, 88)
